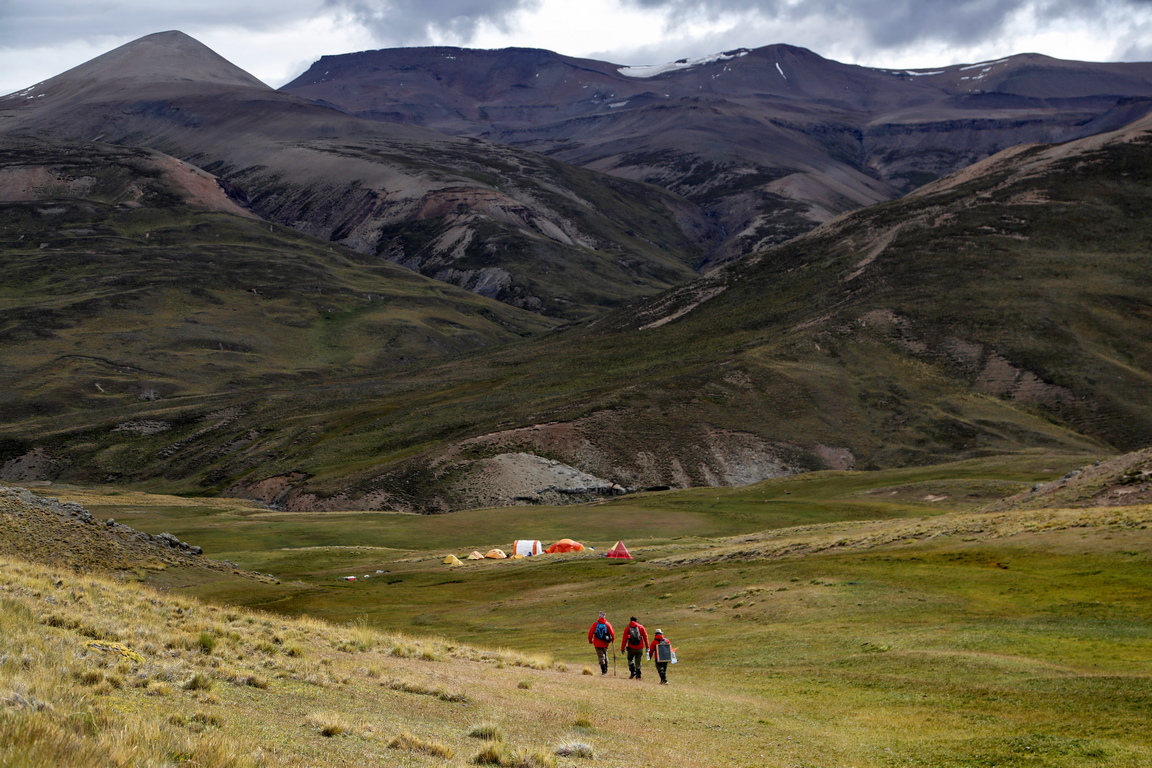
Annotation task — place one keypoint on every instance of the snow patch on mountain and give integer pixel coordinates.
(658, 69)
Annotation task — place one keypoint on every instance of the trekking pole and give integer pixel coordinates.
(613, 661)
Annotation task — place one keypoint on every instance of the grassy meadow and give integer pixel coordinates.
(836, 619)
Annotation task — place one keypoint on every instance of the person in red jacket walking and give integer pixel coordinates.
(654, 652)
(635, 642)
(601, 635)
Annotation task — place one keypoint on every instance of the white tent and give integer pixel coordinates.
(527, 547)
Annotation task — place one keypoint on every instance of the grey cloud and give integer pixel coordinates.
(39, 23)
(35, 23)
(894, 23)
(412, 22)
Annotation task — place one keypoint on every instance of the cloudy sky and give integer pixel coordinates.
(277, 39)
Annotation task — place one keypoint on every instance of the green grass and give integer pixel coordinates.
(1015, 647)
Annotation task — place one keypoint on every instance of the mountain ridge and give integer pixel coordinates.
(771, 141)
(516, 226)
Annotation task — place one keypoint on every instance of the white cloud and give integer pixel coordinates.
(277, 39)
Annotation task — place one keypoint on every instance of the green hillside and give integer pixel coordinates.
(1002, 311)
(132, 289)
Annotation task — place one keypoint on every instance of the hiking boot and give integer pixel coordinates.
(663, 682)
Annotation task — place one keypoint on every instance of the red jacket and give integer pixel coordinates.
(655, 642)
(596, 641)
(625, 644)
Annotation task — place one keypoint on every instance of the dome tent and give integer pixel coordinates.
(452, 560)
(496, 554)
(565, 545)
(475, 556)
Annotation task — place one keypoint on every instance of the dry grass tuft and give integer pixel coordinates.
(328, 724)
(576, 749)
(487, 732)
(406, 741)
(198, 682)
(504, 756)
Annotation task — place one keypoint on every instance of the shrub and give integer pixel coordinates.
(524, 685)
(206, 642)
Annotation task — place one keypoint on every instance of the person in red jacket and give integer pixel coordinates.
(635, 642)
(661, 666)
(601, 635)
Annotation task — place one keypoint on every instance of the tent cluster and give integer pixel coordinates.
(522, 548)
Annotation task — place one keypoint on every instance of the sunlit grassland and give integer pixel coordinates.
(1025, 640)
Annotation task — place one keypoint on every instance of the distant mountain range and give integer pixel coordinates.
(508, 224)
(200, 290)
(768, 141)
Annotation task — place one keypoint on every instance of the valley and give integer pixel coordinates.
(856, 362)
(840, 619)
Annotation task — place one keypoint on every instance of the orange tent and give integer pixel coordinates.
(565, 545)
(496, 554)
(619, 551)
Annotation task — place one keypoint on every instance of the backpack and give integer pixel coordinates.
(634, 635)
(602, 632)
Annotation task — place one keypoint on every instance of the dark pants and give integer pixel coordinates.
(602, 657)
(635, 656)
(662, 670)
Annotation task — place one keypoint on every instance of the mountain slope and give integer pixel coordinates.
(770, 141)
(1001, 310)
(129, 275)
(511, 225)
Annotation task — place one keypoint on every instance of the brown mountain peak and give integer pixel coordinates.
(162, 57)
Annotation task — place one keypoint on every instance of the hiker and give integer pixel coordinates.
(635, 643)
(656, 652)
(601, 635)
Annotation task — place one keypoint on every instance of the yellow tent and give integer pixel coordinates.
(496, 554)
(517, 556)
(475, 556)
(452, 560)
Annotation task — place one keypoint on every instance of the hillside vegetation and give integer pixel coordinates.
(1004, 310)
(129, 284)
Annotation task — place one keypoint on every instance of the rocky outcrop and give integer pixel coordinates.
(44, 529)
(524, 478)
